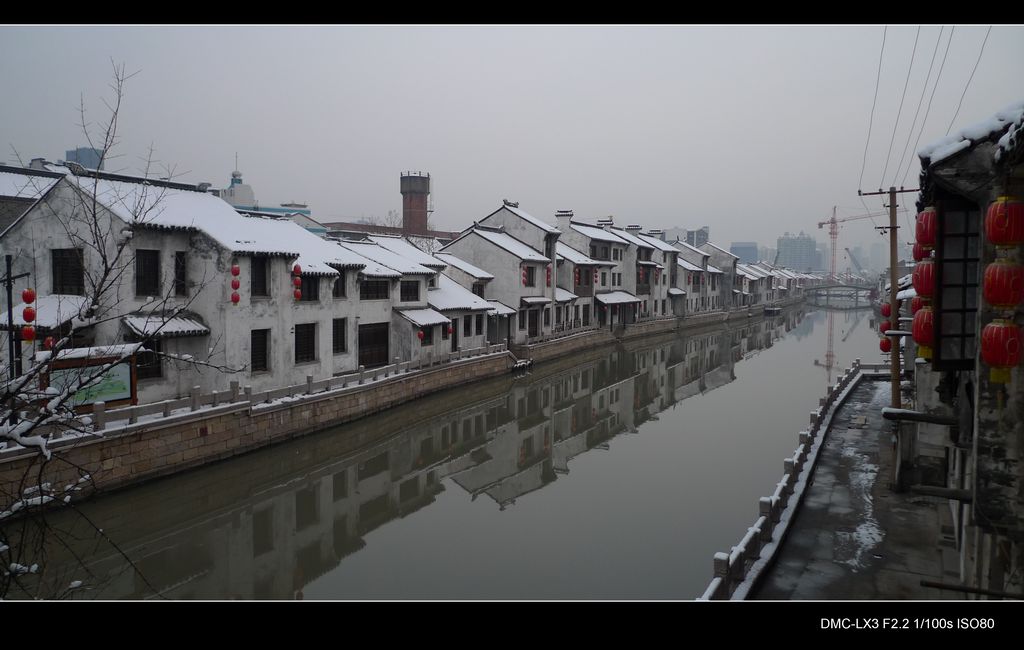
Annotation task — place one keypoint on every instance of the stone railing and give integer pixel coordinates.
(102, 418)
(562, 334)
(736, 571)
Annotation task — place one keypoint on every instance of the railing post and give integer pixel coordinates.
(362, 373)
(216, 398)
(133, 416)
(195, 398)
(309, 384)
(234, 391)
(721, 569)
(248, 394)
(764, 509)
(99, 416)
(167, 409)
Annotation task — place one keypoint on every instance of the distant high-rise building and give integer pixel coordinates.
(766, 253)
(699, 237)
(745, 250)
(85, 156)
(798, 252)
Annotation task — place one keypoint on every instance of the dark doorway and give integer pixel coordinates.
(455, 334)
(373, 345)
(532, 318)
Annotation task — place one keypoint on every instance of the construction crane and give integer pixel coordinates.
(833, 232)
(853, 259)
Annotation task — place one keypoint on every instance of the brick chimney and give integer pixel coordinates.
(415, 188)
(563, 218)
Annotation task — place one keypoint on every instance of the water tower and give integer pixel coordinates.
(415, 187)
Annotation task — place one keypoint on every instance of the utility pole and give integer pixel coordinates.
(12, 353)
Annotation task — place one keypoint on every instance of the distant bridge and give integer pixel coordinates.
(841, 296)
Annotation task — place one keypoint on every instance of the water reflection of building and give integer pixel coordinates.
(267, 524)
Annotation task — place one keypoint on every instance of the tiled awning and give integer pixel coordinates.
(616, 297)
(535, 300)
(676, 292)
(162, 326)
(423, 317)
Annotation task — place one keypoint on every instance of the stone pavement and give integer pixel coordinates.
(854, 538)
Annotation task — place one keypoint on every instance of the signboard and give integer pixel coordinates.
(115, 385)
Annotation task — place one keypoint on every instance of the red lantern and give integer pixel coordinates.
(916, 303)
(235, 284)
(297, 270)
(28, 296)
(548, 275)
(420, 335)
(924, 279)
(886, 309)
(577, 276)
(920, 253)
(1000, 348)
(297, 281)
(524, 276)
(1004, 222)
(450, 330)
(924, 331)
(28, 333)
(236, 270)
(235, 297)
(48, 343)
(595, 275)
(925, 231)
(885, 345)
(1003, 286)
(298, 294)
(884, 327)
(29, 315)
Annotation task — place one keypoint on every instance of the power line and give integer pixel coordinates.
(871, 121)
(969, 80)
(920, 100)
(928, 108)
(895, 126)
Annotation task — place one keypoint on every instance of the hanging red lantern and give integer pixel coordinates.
(924, 331)
(920, 252)
(235, 298)
(548, 269)
(1003, 285)
(235, 284)
(924, 279)
(297, 281)
(28, 296)
(524, 276)
(886, 309)
(576, 276)
(595, 275)
(236, 270)
(915, 304)
(28, 315)
(420, 335)
(28, 333)
(885, 345)
(1004, 222)
(297, 270)
(1001, 349)
(884, 327)
(298, 294)
(450, 330)
(925, 230)
(48, 343)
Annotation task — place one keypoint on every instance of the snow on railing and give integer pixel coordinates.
(245, 397)
(733, 568)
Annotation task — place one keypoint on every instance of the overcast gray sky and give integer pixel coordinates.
(751, 130)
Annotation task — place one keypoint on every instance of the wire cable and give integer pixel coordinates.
(928, 109)
(895, 126)
(874, 101)
(920, 101)
(969, 80)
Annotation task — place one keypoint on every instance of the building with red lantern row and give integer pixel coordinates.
(967, 305)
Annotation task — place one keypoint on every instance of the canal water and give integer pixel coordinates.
(612, 474)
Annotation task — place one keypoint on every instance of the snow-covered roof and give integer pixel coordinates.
(388, 258)
(464, 266)
(449, 294)
(1009, 119)
(594, 232)
(100, 352)
(51, 311)
(543, 225)
(681, 245)
(720, 249)
(631, 238)
(659, 244)
(535, 300)
(501, 309)
(423, 317)
(906, 294)
(752, 271)
(407, 250)
(561, 295)
(164, 326)
(713, 269)
(511, 244)
(576, 257)
(616, 297)
(673, 291)
(24, 186)
(649, 263)
(687, 265)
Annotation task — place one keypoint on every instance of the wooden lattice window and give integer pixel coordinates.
(956, 285)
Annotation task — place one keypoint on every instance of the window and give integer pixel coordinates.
(604, 252)
(149, 363)
(478, 289)
(432, 281)
(340, 341)
(547, 316)
(444, 333)
(467, 325)
(147, 273)
(68, 271)
(305, 343)
(310, 288)
(259, 350)
(339, 290)
(374, 290)
(479, 324)
(522, 319)
(410, 290)
(956, 285)
(260, 276)
(180, 275)
(604, 278)
(531, 276)
(428, 334)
